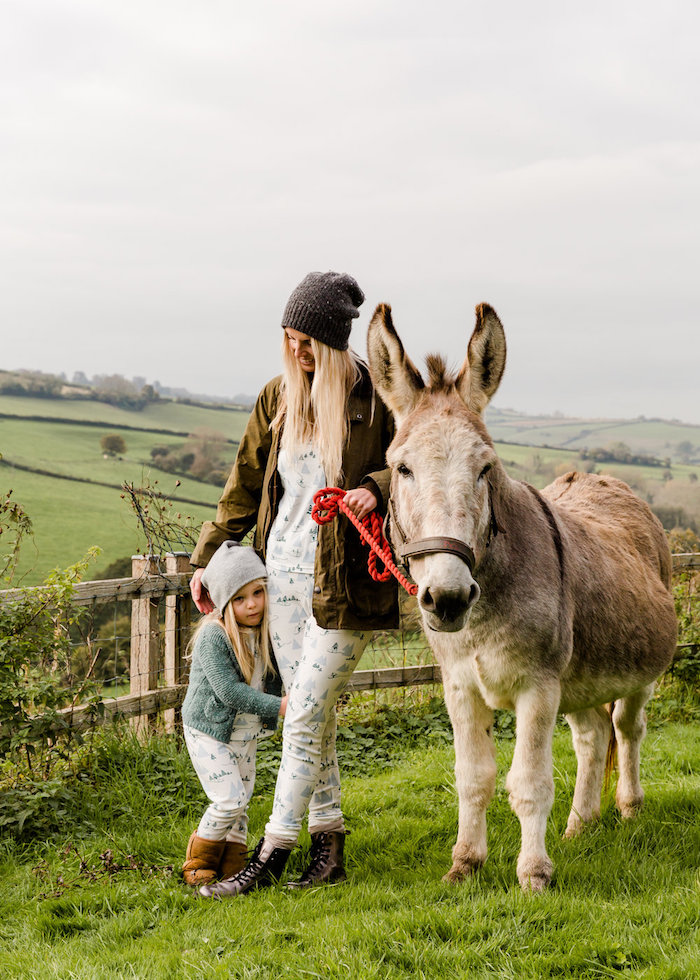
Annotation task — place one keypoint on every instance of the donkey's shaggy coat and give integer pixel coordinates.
(568, 607)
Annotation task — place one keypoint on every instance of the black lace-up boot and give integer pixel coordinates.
(258, 873)
(325, 861)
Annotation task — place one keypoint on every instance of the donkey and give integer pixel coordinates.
(536, 601)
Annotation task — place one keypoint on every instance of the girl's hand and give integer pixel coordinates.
(360, 501)
(200, 596)
(283, 707)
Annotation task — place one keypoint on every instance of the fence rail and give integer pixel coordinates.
(167, 579)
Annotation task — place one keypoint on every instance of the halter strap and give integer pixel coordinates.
(435, 545)
(431, 546)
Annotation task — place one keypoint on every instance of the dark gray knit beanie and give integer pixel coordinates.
(323, 305)
(231, 567)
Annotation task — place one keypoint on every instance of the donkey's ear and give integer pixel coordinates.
(481, 373)
(395, 378)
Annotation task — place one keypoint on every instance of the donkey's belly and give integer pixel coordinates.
(502, 675)
(582, 692)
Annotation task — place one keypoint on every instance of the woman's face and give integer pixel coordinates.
(300, 346)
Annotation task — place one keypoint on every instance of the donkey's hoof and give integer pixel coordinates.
(535, 883)
(630, 808)
(536, 876)
(461, 870)
(576, 824)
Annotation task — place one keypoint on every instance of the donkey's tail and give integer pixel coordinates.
(611, 754)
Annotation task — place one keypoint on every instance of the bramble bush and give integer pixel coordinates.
(36, 644)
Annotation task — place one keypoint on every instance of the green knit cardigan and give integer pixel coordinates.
(217, 692)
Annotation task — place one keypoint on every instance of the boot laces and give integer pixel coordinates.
(319, 854)
(253, 867)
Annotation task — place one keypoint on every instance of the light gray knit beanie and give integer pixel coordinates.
(231, 567)
(323, 306)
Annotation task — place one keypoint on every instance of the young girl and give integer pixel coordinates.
(233, 697)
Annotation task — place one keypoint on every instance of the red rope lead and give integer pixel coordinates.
(328, 502)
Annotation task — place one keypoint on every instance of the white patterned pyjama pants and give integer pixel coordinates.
(315, 665)
(226, 771)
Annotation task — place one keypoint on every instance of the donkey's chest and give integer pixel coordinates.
(497, 669)
(501, 674)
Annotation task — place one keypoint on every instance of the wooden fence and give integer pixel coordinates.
(167, 579)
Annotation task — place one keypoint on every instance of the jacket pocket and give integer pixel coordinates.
(366, 598)
(216, 711)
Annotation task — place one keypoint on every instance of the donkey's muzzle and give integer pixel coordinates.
(447, 609)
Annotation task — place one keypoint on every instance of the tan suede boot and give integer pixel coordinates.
(233, 859)
(202, 860)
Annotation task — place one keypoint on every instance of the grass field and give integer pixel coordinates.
(655, 437)
(157, 415)
(71, 517)
(625, 901)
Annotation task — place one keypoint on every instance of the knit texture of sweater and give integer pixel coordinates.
(217, 692)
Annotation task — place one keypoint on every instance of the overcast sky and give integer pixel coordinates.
(171, 170)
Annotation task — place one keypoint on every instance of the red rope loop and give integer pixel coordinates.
(328, 502)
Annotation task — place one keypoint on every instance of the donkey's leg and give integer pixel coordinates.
(530, 782)
(629, 719)
(590, 730)
(475, 770)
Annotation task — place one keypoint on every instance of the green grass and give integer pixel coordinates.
(71, 517)
(74, 450)
(654, 436)
(158, 415)
(625, 899)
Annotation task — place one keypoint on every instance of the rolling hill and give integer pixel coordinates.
(53, 463)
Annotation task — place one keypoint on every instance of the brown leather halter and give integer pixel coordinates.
(405, 549)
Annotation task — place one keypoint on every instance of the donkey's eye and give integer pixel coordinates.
(486, 470)
(403, 470)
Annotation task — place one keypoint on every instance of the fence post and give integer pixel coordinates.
(177, 623)
(144, 641)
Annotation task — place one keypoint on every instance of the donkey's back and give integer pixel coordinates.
(618, 580)
(613, 511)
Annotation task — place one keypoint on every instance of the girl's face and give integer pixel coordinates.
(300, 346)
(249, 604)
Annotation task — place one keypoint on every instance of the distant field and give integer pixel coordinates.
(69, 517)
(159, 415)
(521, 463)
(654, 437)
(74, 450)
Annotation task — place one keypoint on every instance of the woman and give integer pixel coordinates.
(318, 424)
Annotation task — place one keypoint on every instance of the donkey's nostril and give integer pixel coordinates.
(427, 601)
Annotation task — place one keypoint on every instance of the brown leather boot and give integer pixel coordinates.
(202, 860)
(258, 873)
(325, 861)
(233, 859)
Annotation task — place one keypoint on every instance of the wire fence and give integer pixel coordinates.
(130, 646)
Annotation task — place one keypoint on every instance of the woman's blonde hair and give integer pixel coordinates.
(316, 411)
(244, 655)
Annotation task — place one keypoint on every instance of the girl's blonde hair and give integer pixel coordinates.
(317, 411)
(244, 655)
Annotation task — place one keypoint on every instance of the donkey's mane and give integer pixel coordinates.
(439, 377)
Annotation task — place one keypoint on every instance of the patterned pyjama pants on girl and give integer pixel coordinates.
(226, 771)
(315, 665)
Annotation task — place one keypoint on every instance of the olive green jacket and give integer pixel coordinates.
(345, 597)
